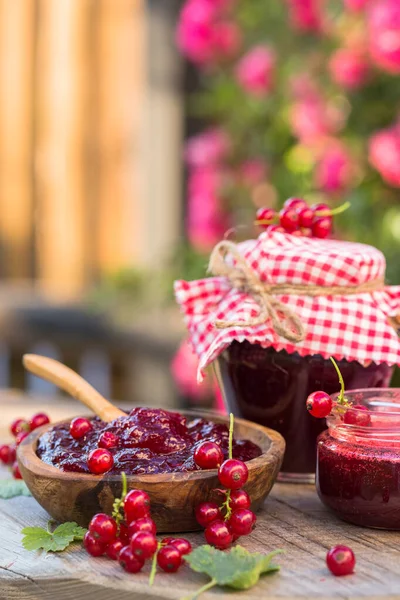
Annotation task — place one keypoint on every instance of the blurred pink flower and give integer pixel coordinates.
(384, 34)
(184, 371)
(206, 220)
(355, 5)
(384, 154)
(210, 147)
(255, 71)
(253, 171)
(335, 169)
(306, 15)
(349, 68)
(227, 39)
(312, 118)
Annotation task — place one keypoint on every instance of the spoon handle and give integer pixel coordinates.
(69, 381)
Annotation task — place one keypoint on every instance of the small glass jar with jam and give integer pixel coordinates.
(277, 308)
(358, 465)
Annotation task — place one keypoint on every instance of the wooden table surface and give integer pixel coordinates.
(292, 518)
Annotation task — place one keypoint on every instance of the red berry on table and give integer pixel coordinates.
(208, 455)
(108, 440)
(114, 548)
(322, 227)
(124, 533)
(38, 420)
(306, 231)
(207, 512)
(297, 233)
(19, 425)
(94, 546)
(233, 474)
(143, 544)
(15, 471)
(184, 546)
(20, 437)
(275, 228)
(296, 203)
(239, 499)
(319, 404)
(143, 524)
(169, 558)
(217, 534)
(266, 215)
(321, 210)
(358, 415)
(289, 219)
(128, 560)
(79, 427)
(7, 454)
(242, 521)
(103, 528)
(306, 216)
(136, 505)
(341, 560)
(100, 461)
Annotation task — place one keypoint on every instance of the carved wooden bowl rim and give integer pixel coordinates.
(271, 443)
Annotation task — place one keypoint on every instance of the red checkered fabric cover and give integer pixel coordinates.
(354, 327)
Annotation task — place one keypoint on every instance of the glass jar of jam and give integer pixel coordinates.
(358, 467)
(271, 388)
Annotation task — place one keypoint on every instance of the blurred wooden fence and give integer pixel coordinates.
(81, 188)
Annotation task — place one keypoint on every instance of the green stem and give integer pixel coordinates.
(154, 565)
(205, 587)
(124, 486)
(333, 211)
(227, 503)
(341, 398)
(119, 502)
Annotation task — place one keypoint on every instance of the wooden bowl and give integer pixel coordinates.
(174, 496)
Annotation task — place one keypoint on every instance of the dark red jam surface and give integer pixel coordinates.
(271, 388)
(150, 441)
(360, 481)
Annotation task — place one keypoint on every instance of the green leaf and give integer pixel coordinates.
(238, 569)
(9, 488)
(38, 538)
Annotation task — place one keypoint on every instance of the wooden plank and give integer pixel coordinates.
(17, 21)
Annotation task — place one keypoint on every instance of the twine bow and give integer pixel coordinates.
(285, 321)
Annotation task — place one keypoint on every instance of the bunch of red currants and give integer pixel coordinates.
(299, 219)
(224, 524)
(20, 429)
(133, 541)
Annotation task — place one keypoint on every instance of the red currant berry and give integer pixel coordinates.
(208, 455)
(15, 471)
(266, 216)
(297, 233)
(136, 505)
(207, 512)
(242, 521)
(79, 427)
(239, 499)
(184, 546)
(93, 545)
(295, 203)
(358, 415)
(7, 454)
(276, 229)
(306, 216)
(169, 558)
(108, 440)
(114, 548)
(103, 527)
(20, 437)
(100, 461)
(144, 524)
(38, 420)
(321, 211)
(319, 404)
(341, 560)
(306, 231)
(322, 228)
(233, 474)
(289, 219)
(124, 533)
(19, 425)
(129, 561)
(143, 544)
(217, 534)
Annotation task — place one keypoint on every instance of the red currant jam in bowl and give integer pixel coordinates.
(358, 468)
(271, 388)
(146, 441)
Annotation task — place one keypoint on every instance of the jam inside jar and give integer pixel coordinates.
(358, 469)
(271, 388)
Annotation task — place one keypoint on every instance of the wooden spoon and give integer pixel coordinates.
(69, 381)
